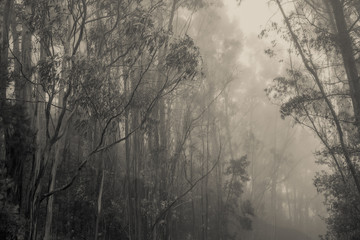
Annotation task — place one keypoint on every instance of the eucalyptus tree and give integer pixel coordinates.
(321, 93)
(99, 131)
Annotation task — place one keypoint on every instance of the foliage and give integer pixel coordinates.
(319, 94)
(13, 224)
(113, 106)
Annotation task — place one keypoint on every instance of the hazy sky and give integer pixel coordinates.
(258, 69)
(251, 15)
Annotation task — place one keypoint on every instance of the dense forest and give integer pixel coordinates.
(162, 119)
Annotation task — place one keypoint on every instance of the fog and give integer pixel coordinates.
(180, 119)
(277, 149)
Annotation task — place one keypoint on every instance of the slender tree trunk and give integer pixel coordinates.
(347, 53)
(309, 65)
(4, 48)
(135, 160)
(42, 154)
(59, 146)
(50, 200)
(203, 190)
(16, 52)
(160, 134)
(100, 195)
(295, 211)
(274, 183)
(17, 162)
(4, 51)
(207, 179)
(273, 206)
(289, 204)
(24, 89)
(128, 177)
(25, 86)
(194, 233)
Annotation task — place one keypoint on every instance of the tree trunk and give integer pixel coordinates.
(4, 48)
(289, 204)
(309, 65)
(16, 53)
(25, 86)
(100, 195)
(42, 152)
(59, 146)
(4, 36)
(207, 179)
(273, 206)
(347, 53)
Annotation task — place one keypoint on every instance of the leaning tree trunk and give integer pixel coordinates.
(347, 53)
(309, 65)
(100, 195)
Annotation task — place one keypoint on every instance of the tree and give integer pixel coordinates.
(111, 101)
(323, 97)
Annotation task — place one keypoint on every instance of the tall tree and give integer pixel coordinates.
(333, 103)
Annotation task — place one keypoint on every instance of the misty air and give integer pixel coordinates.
(179, 120)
